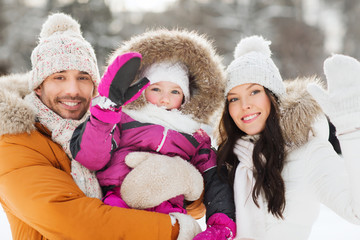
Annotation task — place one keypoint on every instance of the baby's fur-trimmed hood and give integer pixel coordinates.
(16, 116)
(207, 77)
(298, 111)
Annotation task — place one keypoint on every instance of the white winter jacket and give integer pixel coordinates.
(313, 172)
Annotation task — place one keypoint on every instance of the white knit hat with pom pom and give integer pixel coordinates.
(253, 64)
(62, 47)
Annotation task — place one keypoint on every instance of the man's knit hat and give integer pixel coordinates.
(172, 72)
(253, 64)
(62, 47)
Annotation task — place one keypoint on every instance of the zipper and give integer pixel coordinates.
(162, 140)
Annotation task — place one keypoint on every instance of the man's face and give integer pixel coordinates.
(67, 93)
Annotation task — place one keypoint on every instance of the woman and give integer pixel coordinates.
(274, 139)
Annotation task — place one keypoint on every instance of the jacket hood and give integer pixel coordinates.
(299, 112)
(16, 116)
(207, 78)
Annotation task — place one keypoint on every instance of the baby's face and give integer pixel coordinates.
(165, 94)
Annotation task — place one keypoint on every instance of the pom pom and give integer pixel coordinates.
(253, 44)
(59, 22)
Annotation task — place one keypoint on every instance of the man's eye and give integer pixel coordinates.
(85, 78)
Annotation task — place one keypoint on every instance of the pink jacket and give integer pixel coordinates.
(102, 147)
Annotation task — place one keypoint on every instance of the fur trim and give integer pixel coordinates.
(157, 178)
(207, 77)
(16, 83)
(298, 111)
(16, 116)
(173, 119)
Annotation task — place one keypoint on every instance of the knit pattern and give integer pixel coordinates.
(62, 130)
(343, 102)
(253, 64)
(172, 72)
(62, 47)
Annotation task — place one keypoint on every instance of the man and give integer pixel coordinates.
(37, 187)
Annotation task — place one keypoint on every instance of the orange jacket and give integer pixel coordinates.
(41, 199)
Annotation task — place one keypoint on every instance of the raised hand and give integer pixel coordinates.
(116, 82)
(341, 101)
(116, 88)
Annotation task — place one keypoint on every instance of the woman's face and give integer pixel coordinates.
(249, 107)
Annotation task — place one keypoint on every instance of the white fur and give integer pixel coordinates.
(253, 44)
(16, 115)
(157, 178)
(135, 158)
(173, 119)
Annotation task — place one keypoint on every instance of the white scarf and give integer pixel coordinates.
(61, 132)
(173, 119)
(250, 220)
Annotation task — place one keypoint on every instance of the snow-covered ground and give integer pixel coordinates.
(329, 226)
(5, 233)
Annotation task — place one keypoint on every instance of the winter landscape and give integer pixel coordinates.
(303, 32)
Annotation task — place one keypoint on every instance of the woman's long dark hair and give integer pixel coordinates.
(269, 147)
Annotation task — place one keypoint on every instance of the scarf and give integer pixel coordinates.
(250, 220)
(61, 132)
(173, 119)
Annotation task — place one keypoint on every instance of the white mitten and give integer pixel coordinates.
(189, 228)
(157, 178)
(341, 102)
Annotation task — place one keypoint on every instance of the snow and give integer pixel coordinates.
(329, 226)
(5, 233)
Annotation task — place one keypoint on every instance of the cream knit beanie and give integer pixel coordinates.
(172, 72)
(253, 64)
(62, 47)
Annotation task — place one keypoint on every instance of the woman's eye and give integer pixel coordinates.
(175, 92)
(59, 78)
(255, 92)
(233, 99)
